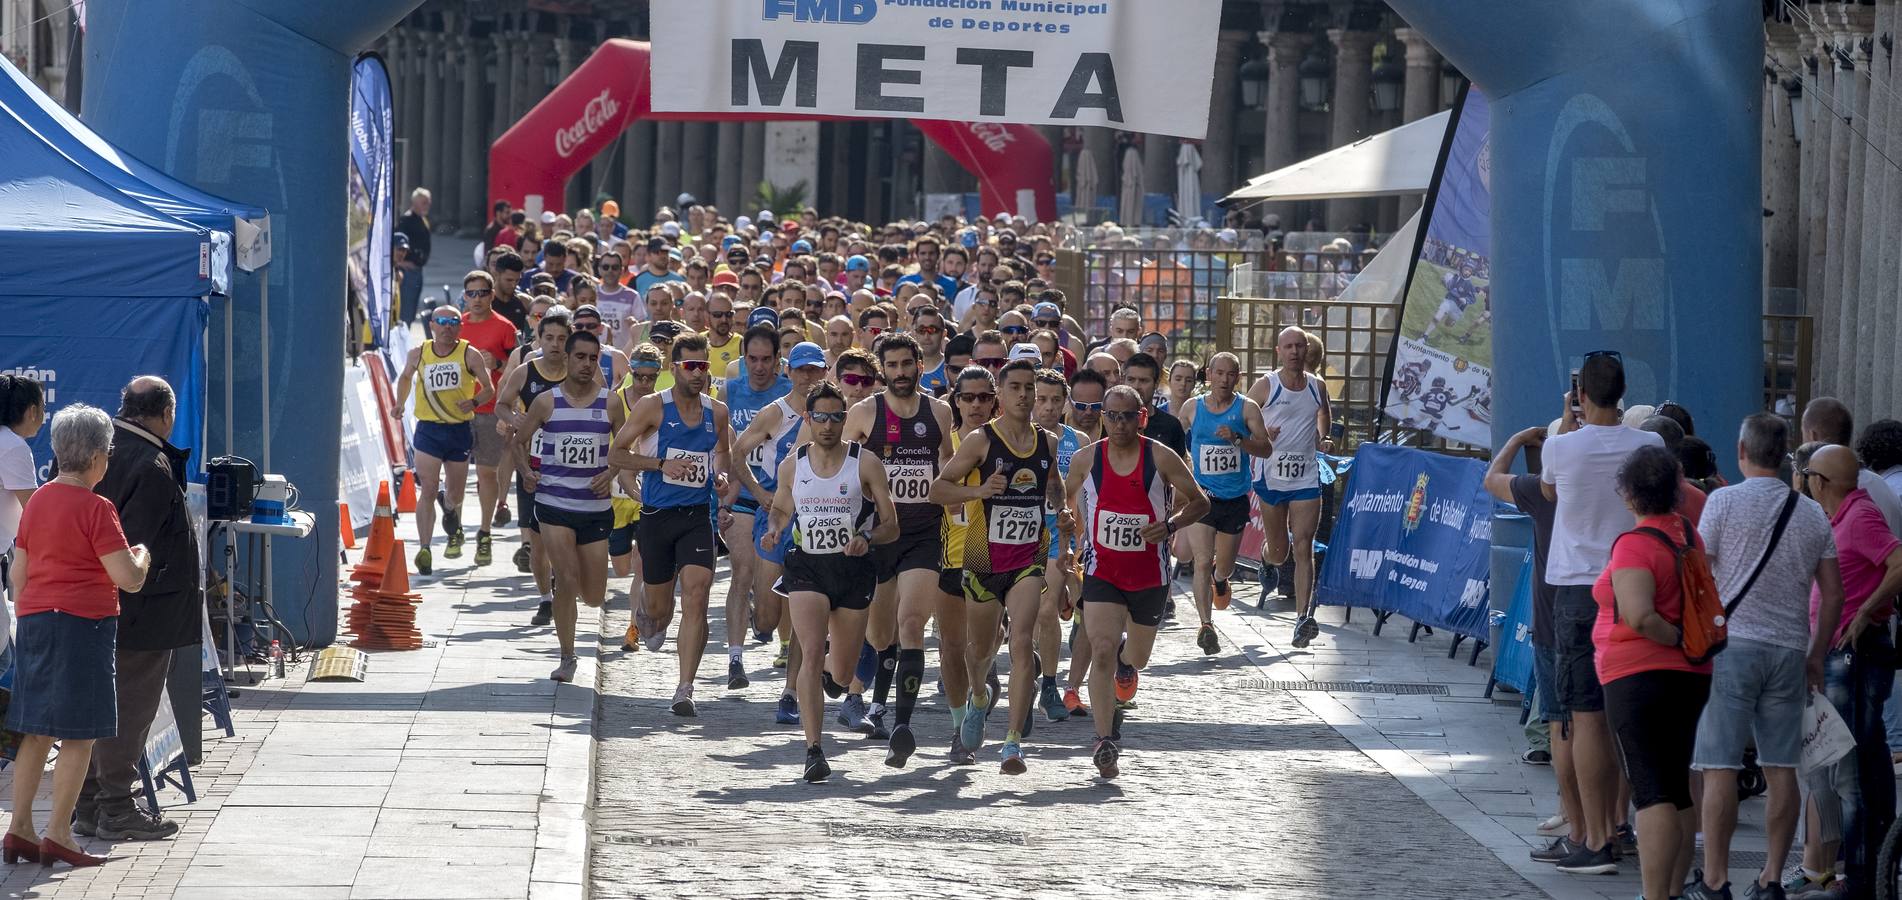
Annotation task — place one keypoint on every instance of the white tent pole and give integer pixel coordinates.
(264, 352)
(231, 321)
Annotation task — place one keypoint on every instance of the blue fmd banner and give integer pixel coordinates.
(372, 217)
(88, 356)
(1414, 537)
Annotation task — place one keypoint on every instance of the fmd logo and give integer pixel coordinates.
(841, 12)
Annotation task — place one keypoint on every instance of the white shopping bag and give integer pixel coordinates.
(1826, 738)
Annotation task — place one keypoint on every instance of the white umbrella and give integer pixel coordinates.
(1189, 182)
(1086, 179)
(1131, 213)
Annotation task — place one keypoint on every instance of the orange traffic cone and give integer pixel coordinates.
(382, 536)
(406, 500)
(384, 617)
(349, 533)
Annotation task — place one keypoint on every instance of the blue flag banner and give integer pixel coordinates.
(1512, 658)
(1413, 537)
(89, 357)
(372, 215)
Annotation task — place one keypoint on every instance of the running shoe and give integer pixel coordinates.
(521, 560)
(1306, 630)
(502, 516)
(1586, 861)
(875, 717)
(1698, 890)
(1270, 583)
(566, 671)
(1126, 680)
(972, 734)
(683, 701)
(1169, 611)
(816, 768)
(1771, 891)
(1205, 638)
(960, 755)
(1122, 704)
(1560, 849)
(736, 679)
(1105, 757)
(485, 548)
(1052, 703)
(651, 633)
(994, 686)
(544, 614)
(1536, 756)
(1221, 597)
(631, 641)
(852, 713)
(1013, 759)
(761, 637)
(902, 746)
(1624, 841)
(1074, 704)
(422, 561)
(788, 711)
(1799, 884)
(1555, 825)
(454, 548)
(779, 662)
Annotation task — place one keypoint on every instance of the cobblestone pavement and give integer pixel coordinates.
(1228, 788)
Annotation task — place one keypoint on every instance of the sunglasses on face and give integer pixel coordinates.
(588, 326)
(1047, 261)
(476, 292)
(990, 362)
(831, 418)
(1812, 473)
(984, 397)
(644, 375)
(928, 329)
(853, 379)
(447, 320)
(1120, 415)
(1080, 406)
(1016, 329)
(874, 330)
(1047, 323)
(694, 365)
(610, 267)
(723, 314)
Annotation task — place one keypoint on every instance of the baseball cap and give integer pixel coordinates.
(1026, 350)
(791, 227)
(587, 309)
(764, 314)
(1046, 310)
(656, 245)
(858, 264)
(667, 330)
(726, 243)
(726, 278)
(765, 215)
(670, 229)
(1226, 235)
(968, 238)
(804, 355)
(802, 246)
(611, 208)
(741, 223)
(674, 253)
(684, 200)
(548, 217)
(399, 239)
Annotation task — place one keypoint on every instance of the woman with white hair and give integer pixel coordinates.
(71, 563)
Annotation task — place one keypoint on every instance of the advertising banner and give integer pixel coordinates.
(1137, 65)
(372, 217)
(1413, 537)
(1443, 363)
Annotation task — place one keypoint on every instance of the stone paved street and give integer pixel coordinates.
(1227, 788)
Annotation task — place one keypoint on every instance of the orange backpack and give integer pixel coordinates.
(1702, 627)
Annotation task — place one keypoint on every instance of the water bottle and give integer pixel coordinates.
(277, 658)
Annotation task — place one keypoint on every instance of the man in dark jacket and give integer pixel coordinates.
(145, 480)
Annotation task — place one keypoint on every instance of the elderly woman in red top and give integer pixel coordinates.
(1653, 693)
(72, 563)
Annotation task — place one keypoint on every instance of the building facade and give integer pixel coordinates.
(39, 38)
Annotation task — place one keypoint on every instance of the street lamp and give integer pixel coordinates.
(1450, 82)
(1314, 80)
(1389, 78)
(1254, 74)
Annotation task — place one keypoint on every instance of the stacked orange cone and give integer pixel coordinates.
(349, 533)
(406, 499)
(384, 614)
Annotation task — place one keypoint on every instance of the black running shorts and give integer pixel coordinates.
(672, 539)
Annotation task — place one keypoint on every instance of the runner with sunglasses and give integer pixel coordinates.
(855, 373)
(928, 329)
(823, 492)
(973, 403)
(1004, 562)
(1224, 428)
(644, 367)
(451, 380)
(570, 428)
(767, 441)
(745, 396)
(542, 371)
(910, 432)
(1122, 489)
(678, 440)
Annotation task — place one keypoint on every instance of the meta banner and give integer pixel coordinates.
(1137, 65)
(1413, 537)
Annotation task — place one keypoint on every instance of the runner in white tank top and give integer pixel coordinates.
(1294, 405)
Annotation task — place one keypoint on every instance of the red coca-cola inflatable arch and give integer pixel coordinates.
(610, 91)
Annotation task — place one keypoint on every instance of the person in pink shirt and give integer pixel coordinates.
(1853, 801)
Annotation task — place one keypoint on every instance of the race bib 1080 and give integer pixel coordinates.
(911, 483)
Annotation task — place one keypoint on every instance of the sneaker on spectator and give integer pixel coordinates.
(1536, 757)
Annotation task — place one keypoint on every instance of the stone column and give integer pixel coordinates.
(1835, 163)
(448, 210)
(940, 170)
(1782, 164)
(1159, 167)
(666, 165)
(727, 185)
(877, 150)
(408, 109)
(1353, 69)
(431, 147)
(637, 176)
(1218, 150)
(534, 74)
(1813, 197)
(1888, 385)
(1857, 112)
(696, 139)
(567, 56)
(752, 166)
(1285, 49)
(1100, 143)
(1873, 102)
(840, 178)
(474, 135)
(502, 114)
(1422, 97)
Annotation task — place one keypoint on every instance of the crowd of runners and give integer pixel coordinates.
(889, 434)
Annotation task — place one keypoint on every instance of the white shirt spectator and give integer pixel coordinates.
(1736, 527)
(1583, 467)
(17, 473)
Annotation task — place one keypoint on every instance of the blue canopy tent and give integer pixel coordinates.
(97, 286)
